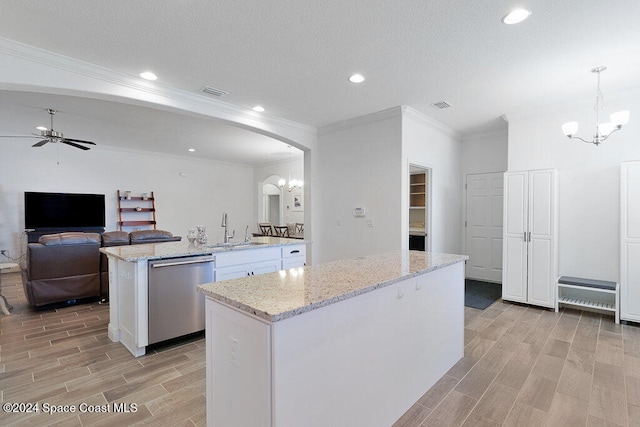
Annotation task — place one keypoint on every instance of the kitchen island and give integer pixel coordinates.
(152, 287)
(345, 343)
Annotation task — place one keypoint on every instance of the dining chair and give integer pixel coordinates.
(299, 227)
(265, 228)
(281, 230)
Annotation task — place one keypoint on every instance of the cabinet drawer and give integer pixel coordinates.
(294, 251)
(247, 256)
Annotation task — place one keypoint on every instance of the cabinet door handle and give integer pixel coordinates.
(297, 251)
(529, 236)
(524, 237)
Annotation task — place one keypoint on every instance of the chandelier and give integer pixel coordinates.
(603, 130)
(292, 183)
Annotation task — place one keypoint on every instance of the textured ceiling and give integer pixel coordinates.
(294, 57)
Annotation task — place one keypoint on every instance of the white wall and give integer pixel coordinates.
(359, 164)
(426, 143)
(282, 169)
(209, 189)
(588, 181)
(485, 152)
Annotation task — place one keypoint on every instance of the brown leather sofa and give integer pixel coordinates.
(62, 269)
(66, 268)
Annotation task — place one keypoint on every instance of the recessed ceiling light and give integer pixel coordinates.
(258, 108)
(192, 150)
(356, 78)
(148, 75)
(41, 128)
(516, 16)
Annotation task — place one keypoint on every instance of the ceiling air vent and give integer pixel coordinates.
(215, 92)
(441, 105)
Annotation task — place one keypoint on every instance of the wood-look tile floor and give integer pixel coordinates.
(64, 357)
(526, 366)
(523, 366)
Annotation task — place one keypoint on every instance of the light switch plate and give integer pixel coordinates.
(359, 211)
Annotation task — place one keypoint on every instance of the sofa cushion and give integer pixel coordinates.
(69, 239)
(115, 238)
(142, 236)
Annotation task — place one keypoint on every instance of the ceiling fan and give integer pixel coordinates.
(51, 135)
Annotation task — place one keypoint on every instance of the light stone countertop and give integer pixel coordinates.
(151, 251)
(287, 293)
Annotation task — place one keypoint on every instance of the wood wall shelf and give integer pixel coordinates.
(136, 211)
(148, 199)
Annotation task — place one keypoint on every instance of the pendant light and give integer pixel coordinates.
(603, 130)
(292, 183)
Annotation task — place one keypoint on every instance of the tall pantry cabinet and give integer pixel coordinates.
(630, 241)
(530, 237)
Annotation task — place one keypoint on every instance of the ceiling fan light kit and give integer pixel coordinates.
(603, 130)
(53, 136)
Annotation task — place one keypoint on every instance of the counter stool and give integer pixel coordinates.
(4, 305)
(281, 230)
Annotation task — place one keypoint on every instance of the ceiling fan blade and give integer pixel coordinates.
(41, 143)
(66, 141)
(20, 136)
(79, 140)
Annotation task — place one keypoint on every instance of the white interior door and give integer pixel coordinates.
(514, 276)
(483, 232)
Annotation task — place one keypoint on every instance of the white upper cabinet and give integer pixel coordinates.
(530, 265)
(630, 241)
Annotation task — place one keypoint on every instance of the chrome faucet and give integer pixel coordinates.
(227, 236)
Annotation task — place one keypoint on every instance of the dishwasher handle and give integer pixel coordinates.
(171, 264)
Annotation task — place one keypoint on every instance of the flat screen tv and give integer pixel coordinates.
(44, 211)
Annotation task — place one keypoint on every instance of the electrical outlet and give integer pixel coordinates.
(234, 352)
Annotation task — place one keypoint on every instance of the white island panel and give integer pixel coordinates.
(362, 358)
(366, 360)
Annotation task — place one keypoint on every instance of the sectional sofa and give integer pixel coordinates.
(68, 268)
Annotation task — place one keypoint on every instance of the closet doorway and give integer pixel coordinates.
(419, 208)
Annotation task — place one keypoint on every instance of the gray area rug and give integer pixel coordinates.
(479, 294)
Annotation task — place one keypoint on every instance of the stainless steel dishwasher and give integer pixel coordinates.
(176, 308)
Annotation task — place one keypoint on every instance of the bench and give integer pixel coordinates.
(589, 293)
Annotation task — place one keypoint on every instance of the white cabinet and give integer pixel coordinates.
(530, 237)
(233, 265)
(294, 256)
(630, 241)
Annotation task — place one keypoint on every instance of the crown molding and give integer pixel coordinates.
(398, 111)
(429, 122)
(153, 90)
(360, 121)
